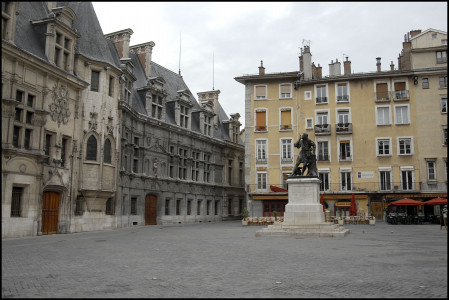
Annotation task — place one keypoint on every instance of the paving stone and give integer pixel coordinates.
(227, 260)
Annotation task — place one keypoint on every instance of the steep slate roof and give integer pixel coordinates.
(92, 44)
(173, 83)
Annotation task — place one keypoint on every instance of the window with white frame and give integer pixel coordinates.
(400, 90)
(285, 90)
(382, 91)
(322, 118)
(444, 105)
(307, 95)
(405, 145)
(385, 178)
(343, 116)
(260, 91)
(286, 150)
(344, 150)
(401, 114)
(261, 181)
(324, 175)
(323, 151)
(342, 92)
(321, 94)
(261, 151)
(309, 123)
(425, 83)
(407, 178)
(431, 170)
(345, 180)
(383, 146)
(383, 116)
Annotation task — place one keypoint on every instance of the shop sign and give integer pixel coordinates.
(365, 175)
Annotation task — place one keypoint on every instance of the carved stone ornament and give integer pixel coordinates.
(93, 122)
(110, 127)
(59, 109)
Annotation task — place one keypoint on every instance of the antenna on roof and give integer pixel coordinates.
(213, 72)
(179, 53)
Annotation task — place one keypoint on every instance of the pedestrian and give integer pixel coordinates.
(443, 219)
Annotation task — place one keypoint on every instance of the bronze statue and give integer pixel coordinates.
(306, 156)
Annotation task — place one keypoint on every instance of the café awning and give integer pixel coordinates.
(436, 201)
(406, 201)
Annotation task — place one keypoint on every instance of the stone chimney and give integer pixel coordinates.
(347, 66)
(378, 64)
(337, 68)
(317, 71)
(121, 40)
(144, 52)
(392, 66)
(307, 62)
(415, 32)
(331, 68)
(261, 68)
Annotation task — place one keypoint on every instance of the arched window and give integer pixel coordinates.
(107, 151)
(91, 149)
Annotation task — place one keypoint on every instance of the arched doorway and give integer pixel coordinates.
(50, 212)
(150, 210)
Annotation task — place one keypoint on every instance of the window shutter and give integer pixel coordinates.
(260, 91)
(285, 89)
(381, 88)
(261, 119)
(399, 86)
(286, 117)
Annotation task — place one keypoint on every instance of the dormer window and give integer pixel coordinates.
(156, 107)
(184, 116)
(208, 125)
(60, 37)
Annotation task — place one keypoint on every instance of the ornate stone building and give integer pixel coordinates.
(182, 160)
(88, 133)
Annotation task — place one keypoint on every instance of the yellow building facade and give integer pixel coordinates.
(366, 128)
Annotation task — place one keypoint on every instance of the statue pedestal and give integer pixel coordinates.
(304, 214)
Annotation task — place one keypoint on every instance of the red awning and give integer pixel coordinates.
(406, 201)
(436, 201)
(277, 189)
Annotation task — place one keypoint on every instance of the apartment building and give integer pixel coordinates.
(366, 126)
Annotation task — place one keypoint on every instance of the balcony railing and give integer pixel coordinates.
(322, 129)
(322, 157)
(345, 158)
(382, 96)
(261, 161)
(401, 95)
(355, 186)
(343, 98)
(343, 128)
(321, 100)
(261, 128)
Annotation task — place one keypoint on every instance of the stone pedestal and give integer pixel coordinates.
(304, 213)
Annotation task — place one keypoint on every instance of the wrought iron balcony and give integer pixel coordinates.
(322, 129)
(343, 128)
(343, 98)
(321, 100)
(401, 95)
(285, 127)
(382, 96)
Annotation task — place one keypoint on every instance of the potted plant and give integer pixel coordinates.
(372, 219)
(245, 217)
(275, 213)
(340, 219)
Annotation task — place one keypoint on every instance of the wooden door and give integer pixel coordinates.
(150, 209)
(377, 209)
(50, 212)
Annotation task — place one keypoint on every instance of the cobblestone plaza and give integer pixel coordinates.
(226, 260)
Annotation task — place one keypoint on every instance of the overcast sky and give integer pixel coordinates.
(223, 40)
